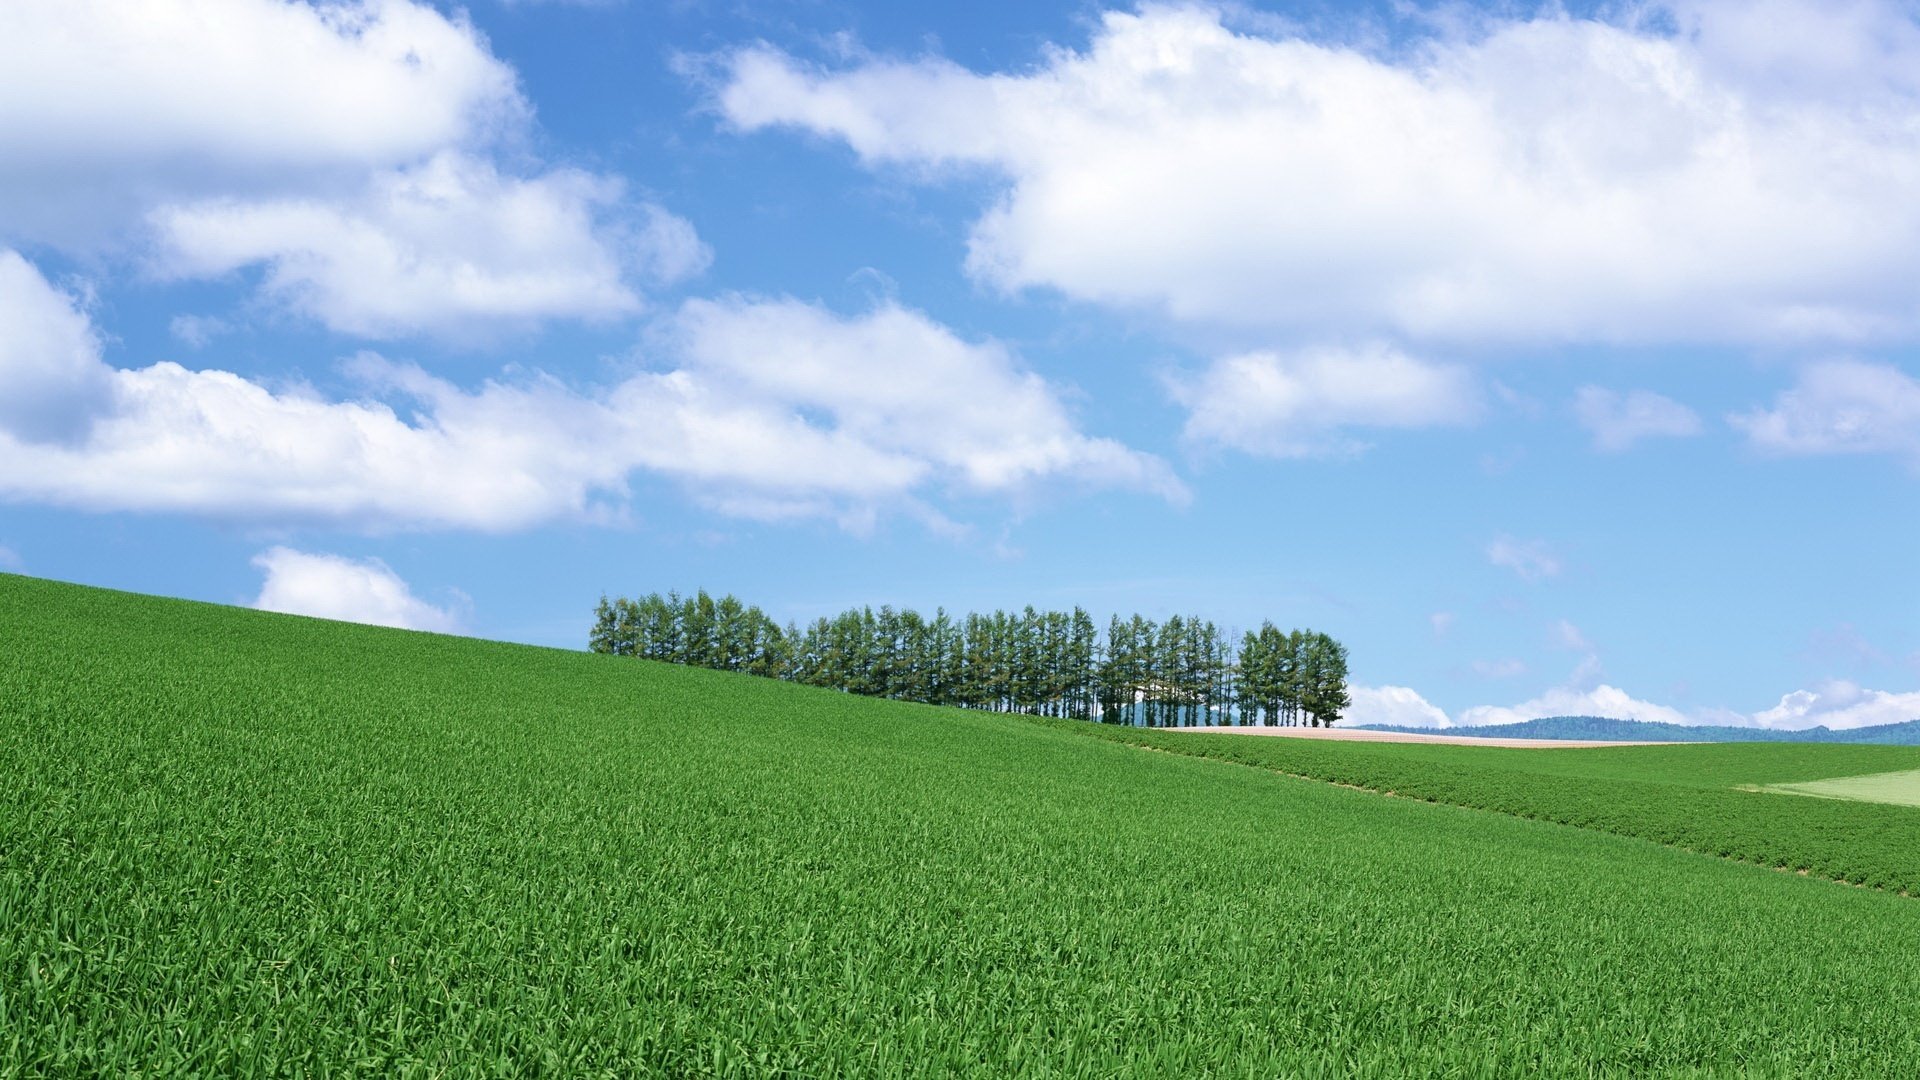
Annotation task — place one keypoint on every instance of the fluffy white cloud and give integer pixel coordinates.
(1841, 407)
(447, 247)
(1545, 179)
(50, 383)
(345, 149)
(114, 107)
(1395, 706)
(1504, 668)
(896, 381)
(1836, 705)
(1840, 704)
(1298, 404)
(1531, 559)
(1602, 700)
(1618, 420)
(332, 587)
(777, 409)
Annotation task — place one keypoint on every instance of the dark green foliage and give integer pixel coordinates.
(1689, 796)
(698, 631)
(1181, 673)
(234, 843)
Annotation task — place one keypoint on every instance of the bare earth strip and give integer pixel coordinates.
(1356, 735)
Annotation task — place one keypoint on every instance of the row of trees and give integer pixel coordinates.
(1182, 672)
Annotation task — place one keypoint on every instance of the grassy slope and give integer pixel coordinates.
(234, 842)
(1689, 796)
(1899, 788)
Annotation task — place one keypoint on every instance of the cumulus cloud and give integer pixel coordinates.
(1395, 706)
(1840, 704)
(897, 381)
(1840, 407)
(347, 151)
(775, 409)
(1692, 172)
(1531, 559)
(1617, 420)
(1602, 700)
(1299, 404)
(435, 249)
(332, 587)
(183, 99)
(50, 380)
(1837, 704)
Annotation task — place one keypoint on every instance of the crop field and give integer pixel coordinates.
(241, 843)
(1713, 798)
(1896, 788)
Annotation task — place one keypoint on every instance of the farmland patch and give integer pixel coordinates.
(1895, 788)
(236, 843)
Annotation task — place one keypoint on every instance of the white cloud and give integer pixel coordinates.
(10, 559)
(1837, 705)
(1602, 700)
(899, 382)
(1840, 704)
(1442, 622)
(50, 384)
(778, 409)
(1547, 179)
(1396, 706)
(332, 587)
(1841, 407)
(1618, 420)
(436, 249)
(114, 108)
(345, 150)
(1531, 559)
(1296, 405)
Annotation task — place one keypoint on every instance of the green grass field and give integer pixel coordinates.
(1893, 788)
(233, 842)
(1705, 798)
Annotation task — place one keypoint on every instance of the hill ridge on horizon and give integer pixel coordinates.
(1905, 733)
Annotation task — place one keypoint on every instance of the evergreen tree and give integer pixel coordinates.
(1183, 672)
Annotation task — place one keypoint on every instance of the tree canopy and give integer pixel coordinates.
(1182, 672)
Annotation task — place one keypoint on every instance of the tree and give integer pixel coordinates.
(1184, 671)
(1326, 694)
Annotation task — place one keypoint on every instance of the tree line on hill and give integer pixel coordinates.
(1180, 672)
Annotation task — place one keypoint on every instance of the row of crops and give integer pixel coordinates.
(1687, 796)
(234, 843)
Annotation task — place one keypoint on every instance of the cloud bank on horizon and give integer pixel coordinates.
(1838, 704)
(1337, 246)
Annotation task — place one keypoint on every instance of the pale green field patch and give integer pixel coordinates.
(1898, 788)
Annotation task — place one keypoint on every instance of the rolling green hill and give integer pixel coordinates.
(1701, 797)
(234, 842)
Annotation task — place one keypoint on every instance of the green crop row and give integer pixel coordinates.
(234, 843)
(1689, 796)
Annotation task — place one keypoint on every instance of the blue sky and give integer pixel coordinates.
(1556, 359)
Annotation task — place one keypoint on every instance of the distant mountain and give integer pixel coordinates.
(1600, 727)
